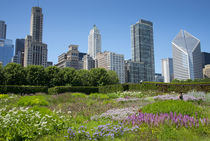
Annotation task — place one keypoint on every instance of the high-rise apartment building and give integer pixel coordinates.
(3, 30)
(6, 51)
(206, 71)
(35, 52)
(134, 71)
(94, 42)
(112, 61)
(19, 51)
(167, 69)
(143, 47)
(88, 62)
(70, 59)
(187, 60)
(205, 58)
(159, 77)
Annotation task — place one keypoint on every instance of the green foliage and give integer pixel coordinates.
(54, 76)
(178, 106)
(79, 95)
(2, 77)
(63, 89)
(113, 77)
(35, 75)
(28, 124)
(69, 76)
(98, 96)
(111, 88)
(82, 78)
(23, 89)
(99, 77)
(14, 74)
(2, 96)
(32, 101)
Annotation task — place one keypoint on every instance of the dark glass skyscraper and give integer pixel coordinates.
(3, 29)
(143, 47)
(205, 58)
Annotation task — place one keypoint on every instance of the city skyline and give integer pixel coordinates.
(115, 28)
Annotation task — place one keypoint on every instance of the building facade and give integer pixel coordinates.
(167, 69)
(187, 60)
(6, 51)
(205, 58)
(142, 45)
(159, 77)
(206, 71)
(19, 51)
(134, 71)
(88, 62)
(112, 61)
(35, 52)
(94, 42)
(70, 59)
(3, 29)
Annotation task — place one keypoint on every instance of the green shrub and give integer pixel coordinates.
(98, 96)
(32, 100)
(2, 96)
(22, 89)
(111, 88)
(178, 106)
(79, 95)
(82, 89)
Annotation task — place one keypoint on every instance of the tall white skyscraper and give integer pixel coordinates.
(167, 69)
(35, 52)
(94, 42)
(3, 30)
(187, 60)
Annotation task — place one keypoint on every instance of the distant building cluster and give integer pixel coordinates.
(187, 62)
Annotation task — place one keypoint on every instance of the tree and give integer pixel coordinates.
(35, 75)
(54, 76)
(69, 76)
(83, 78)
(113, 77)
(99, 77)
(14, 74)
(2, 78)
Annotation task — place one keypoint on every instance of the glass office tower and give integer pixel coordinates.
(187, 60)
(143, 47)
(6, 51)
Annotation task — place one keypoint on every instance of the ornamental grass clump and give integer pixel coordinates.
(178, 120)
(32, 101)
(178, 106)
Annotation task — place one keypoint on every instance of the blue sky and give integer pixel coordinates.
(69, 22)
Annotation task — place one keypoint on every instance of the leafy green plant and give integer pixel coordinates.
(182, 107)
(2, 96)
(79, 95)
(32, 100)
(98, 96)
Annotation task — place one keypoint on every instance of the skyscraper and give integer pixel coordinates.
(167, 69)
(19, 51)
(94, 42)
(35, 52)
(205, 58)
(143, 47)
(6, 51)
(112, 61)
(3, 30)
(187, 60)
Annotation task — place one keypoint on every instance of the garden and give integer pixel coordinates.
(125, 115)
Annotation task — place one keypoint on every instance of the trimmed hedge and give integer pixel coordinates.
(111, 88)
(22, 89)
(63, 89)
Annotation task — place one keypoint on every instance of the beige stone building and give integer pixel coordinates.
(35, 52)
(112, 61)
(206, 71)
